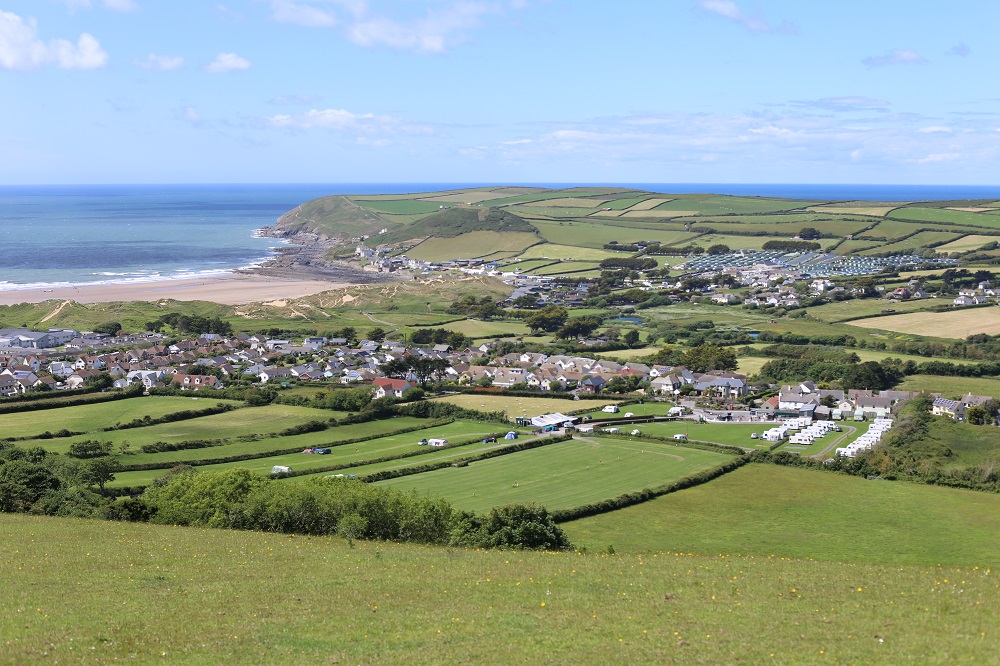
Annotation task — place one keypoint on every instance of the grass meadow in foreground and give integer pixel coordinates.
(561, 475)
(766, 509)
(96, 592)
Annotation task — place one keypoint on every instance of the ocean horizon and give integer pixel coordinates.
(65, 235)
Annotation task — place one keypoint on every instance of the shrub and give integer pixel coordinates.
(527, 526)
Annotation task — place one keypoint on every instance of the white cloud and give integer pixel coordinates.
(939, 157)
(115, 5)
(895, 57)
(298, 13)
(444, 24)
(800, 143)
(191, 116)
(347, 122)
(935, 129)
(731, 11)
(847, 103)
(160, 62)
(120, 5)
(21, 49)
(228, 62)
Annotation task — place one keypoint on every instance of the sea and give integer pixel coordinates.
(60, 235)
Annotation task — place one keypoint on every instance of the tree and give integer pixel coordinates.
(578, 327)
(108, 328)
(809, 233)
(719, 248)
(549, 318)
(377, 334)
(100, 470)
(704, 358)
(101, 380)
(631, 338)
(976, 415)
(527, 302)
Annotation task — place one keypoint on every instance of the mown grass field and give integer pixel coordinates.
(471, 245)
(945, 215)
(561, 475)
(553, 251)
(959, 323)
(766, 510)
(730, 434)
(922, 239)
(967, 243)
(596, 235)
(88, 418)
(245, 421)
(951, 387)
(219, 596)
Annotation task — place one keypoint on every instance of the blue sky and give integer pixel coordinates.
(672, 91)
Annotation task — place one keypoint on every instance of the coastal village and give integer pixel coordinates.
(67, 360)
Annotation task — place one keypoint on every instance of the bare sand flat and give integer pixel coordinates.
(233, 289)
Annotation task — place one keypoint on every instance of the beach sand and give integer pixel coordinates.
(234, 289)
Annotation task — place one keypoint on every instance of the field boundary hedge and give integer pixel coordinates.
(140, 467)
(84, 399)
(183, 415)
(646, 494)
(374, 461)
(485, 455)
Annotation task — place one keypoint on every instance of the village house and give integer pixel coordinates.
(387, 386)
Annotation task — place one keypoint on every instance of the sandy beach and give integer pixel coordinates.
(234, 289)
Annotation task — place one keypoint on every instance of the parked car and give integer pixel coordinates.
(753, 435)
(422, 442)
(321, 451)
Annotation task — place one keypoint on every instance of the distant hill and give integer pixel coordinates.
(582, 225)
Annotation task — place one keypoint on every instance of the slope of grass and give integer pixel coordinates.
(562, 475)
(766, 510)
(87, 591)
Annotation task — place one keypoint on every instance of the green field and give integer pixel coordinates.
(711, 204)
(922, 239)
(951, 387)
(967, 243)
(957, 323)
(567, 268)
(219, 596)
(730, 434)
(471, 245)
(971, 445)
(245, 421)
(945, 215)
(766, 510)
(568, 252)
(867, 307)
(561, 475)
(358, 453)
(88, 418)
(475, 328)
(597, 235)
